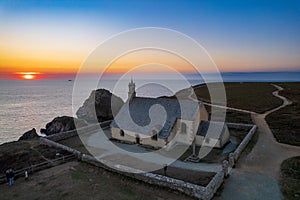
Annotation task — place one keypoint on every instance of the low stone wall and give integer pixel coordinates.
(214, 185)
(244, 143)
(239, 125)
(72, 133)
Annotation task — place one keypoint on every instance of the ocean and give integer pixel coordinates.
(32, 104)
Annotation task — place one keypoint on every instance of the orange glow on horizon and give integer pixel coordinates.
(28, 75)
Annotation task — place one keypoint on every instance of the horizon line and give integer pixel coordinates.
(72, 76)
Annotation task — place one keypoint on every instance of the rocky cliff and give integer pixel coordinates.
(101, 105)
(63, 124)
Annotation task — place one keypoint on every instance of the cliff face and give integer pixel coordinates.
(101, 105)
(63, 124)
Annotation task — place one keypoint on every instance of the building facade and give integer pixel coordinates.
(160, 121)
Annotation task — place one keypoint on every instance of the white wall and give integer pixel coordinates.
(130, 136)
(176, 134)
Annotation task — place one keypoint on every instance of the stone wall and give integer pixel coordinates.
(214, 185)
(244, 142)
(239, 125)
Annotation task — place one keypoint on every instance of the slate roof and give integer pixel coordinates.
(216, 129)
(136, 115)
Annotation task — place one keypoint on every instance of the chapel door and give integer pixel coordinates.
(137, 139)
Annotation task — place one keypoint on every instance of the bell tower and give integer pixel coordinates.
(131, 92)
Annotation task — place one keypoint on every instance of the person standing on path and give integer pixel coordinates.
(11, 176)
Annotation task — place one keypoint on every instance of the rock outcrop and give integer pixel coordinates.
(29, 135)
(63, 124)
(101, 105)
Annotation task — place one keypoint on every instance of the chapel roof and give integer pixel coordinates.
(137, 113)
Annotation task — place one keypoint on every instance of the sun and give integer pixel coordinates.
(28, 77)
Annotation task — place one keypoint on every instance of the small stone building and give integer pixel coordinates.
(159, 121)
(211, 133)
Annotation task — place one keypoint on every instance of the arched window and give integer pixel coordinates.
(122, 133)
(183, 128)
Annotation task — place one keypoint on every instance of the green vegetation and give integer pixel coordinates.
(284, 123)
(256, 97)
(290, 178)
(78, 175)
(191, 176)
(23, 154)
(232, 116)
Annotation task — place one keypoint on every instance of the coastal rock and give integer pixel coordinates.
(101, 105)
(29, 135)
(63, 124)
(43, 130)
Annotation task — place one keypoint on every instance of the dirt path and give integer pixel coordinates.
(256, 175)
(268, 154)
(276, 94)
(229, 108)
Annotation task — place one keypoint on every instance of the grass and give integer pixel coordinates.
(232, 116)
(256, 97)
(290, 178)
(83, 181)
(23, 154)
(78, 176)
(195, 177)
(284, 123)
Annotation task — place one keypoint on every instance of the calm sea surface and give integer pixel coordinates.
(31, 104)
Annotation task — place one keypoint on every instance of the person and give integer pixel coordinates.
(165, 170)
(11, 176)
(7, 176)
(26, 175)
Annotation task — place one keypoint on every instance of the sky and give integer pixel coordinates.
(52, 38)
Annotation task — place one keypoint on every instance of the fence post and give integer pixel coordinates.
(231, 160)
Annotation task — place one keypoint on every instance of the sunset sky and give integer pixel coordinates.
(53, 38)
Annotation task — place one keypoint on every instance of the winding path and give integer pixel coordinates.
(256, 174)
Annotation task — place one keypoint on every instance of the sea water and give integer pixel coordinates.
(32, 104)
